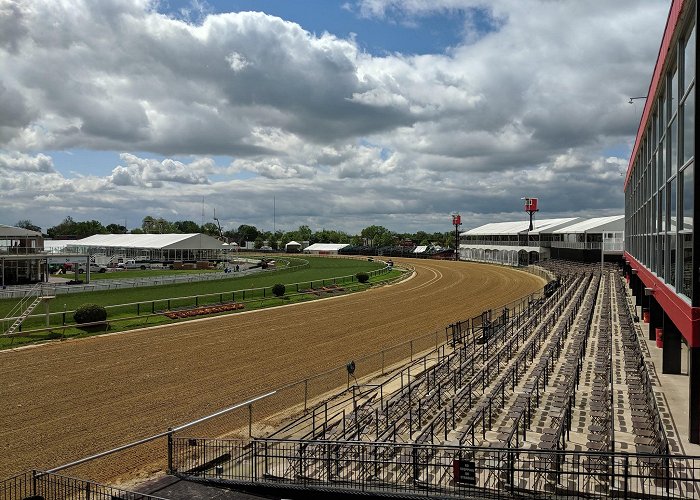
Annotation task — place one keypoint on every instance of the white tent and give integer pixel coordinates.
(292, 246)
(162, 247)
(325, 248)
(189, 241)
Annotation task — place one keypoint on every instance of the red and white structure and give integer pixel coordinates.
(660, 209)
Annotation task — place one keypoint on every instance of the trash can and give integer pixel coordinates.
(659, 337)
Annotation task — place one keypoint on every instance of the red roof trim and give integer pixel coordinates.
(671, 24)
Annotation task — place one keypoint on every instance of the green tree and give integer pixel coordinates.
(258, 243)
(27, 224)
(163, 226)
(247, 233)
(211, 229)
(377, 236)
(303, 234)
(69, 228)
(186, 227)
(115, 229)
(148, 224)
(275, 240)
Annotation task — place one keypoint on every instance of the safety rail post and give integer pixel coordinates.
(254, 456)
(250, 420)
(170, 450)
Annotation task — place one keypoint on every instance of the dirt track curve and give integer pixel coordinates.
(66, 400)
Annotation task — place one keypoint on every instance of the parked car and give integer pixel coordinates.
(94, 268)
(132, 264)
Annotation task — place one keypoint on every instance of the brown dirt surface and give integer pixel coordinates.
(65, 400)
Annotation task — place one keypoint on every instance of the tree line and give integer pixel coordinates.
(374, 236)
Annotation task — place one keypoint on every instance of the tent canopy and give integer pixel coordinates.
(193, 241)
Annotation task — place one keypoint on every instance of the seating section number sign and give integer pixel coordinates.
(464, 471)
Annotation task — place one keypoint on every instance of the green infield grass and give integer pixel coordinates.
(130, 308)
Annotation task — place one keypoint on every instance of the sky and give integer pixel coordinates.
(331, 114)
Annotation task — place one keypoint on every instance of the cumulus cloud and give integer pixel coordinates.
(530, 101)
(20, 162)
(153, 173)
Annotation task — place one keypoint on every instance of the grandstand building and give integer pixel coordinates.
(18, 250)
(513, 244)
(660, 192)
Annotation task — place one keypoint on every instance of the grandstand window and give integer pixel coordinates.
(673, 148)
(673, 199)
(688, 117)
(687, 273)
(660, 254)
(671, 270)
(687, 186)
(662, 210)
(689, 59)
(673, 97)
(687, 205)
(660, 160)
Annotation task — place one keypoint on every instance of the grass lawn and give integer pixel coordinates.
(253, 290)
(136, 273)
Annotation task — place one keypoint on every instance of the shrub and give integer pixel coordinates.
(278, 289)
(90, 313)
(362, 277)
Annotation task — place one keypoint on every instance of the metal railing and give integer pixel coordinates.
(423, 469)
(28, 296)
(50, 486)
(611, 245)
(124, 282)
(496, 243)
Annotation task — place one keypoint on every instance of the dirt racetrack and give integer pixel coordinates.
(66, 400)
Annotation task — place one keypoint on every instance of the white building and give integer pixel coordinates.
(575, 238)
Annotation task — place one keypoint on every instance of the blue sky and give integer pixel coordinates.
(421, 34)
(410, 111)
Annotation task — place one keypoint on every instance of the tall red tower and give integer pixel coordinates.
(530, 208)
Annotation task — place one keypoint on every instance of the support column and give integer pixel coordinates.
(638, 292)
(694, 395)
(656, 317)
(672, 348)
